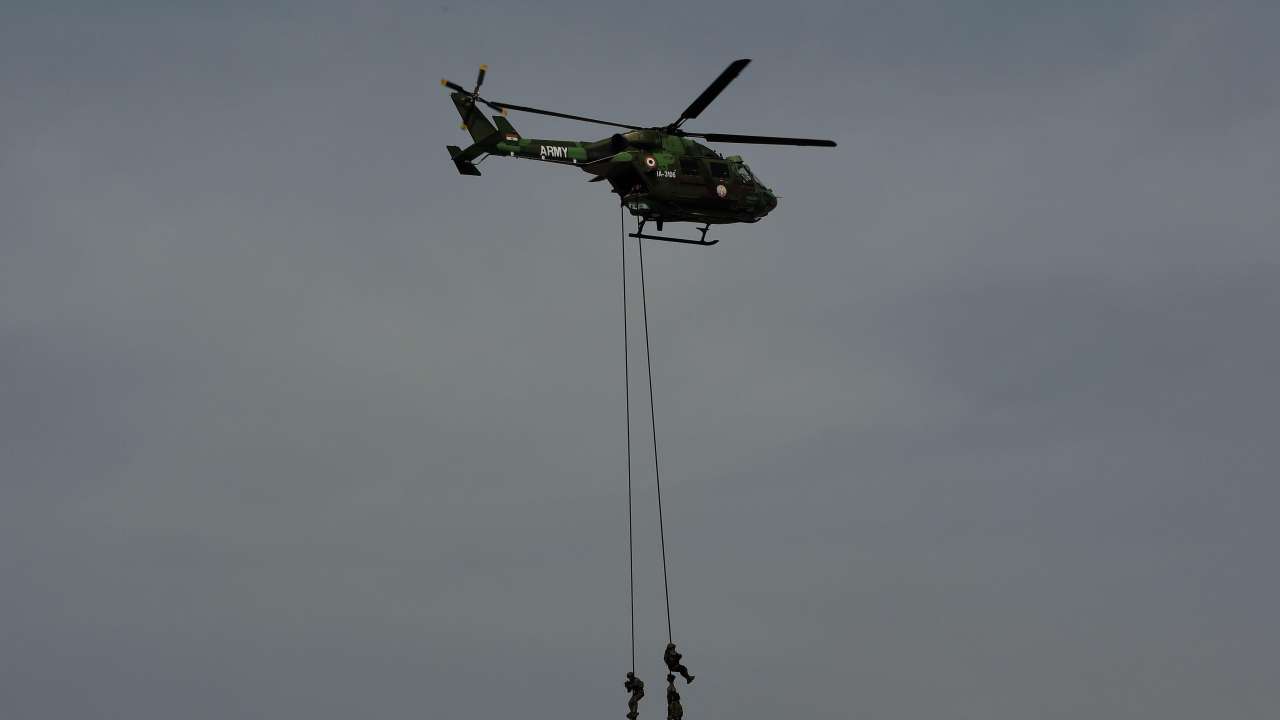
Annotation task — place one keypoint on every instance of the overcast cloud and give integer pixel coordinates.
(296, 422)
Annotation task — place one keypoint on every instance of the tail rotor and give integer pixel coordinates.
(473, 96)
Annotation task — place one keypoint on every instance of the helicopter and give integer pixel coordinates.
(659, 173)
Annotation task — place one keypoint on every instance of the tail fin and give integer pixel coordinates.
(484, 133)
(473, 120)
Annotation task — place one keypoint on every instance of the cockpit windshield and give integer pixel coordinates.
(744, 174)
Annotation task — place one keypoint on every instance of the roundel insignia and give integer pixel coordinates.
(650, 161)
(722, 191)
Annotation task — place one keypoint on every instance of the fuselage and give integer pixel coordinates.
(658, 173)
(659, 176)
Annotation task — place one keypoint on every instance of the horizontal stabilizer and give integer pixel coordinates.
(505, 129)
(460, 161)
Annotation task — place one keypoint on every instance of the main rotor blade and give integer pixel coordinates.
(761, 139)
(713, 90)
(453, 86)
(522, 108)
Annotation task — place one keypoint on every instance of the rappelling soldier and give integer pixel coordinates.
(672, 658)
(674, 710)
(635, 686)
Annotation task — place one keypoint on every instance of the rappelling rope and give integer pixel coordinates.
(653, 422)
(626, 375)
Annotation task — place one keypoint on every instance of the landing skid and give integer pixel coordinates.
(639, 233)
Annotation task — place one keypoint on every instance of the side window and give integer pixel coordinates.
(689, 166)
(719, 170)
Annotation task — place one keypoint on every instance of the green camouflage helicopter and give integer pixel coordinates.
(659, 172)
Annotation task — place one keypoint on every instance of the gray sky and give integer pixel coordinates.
(295, 422)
